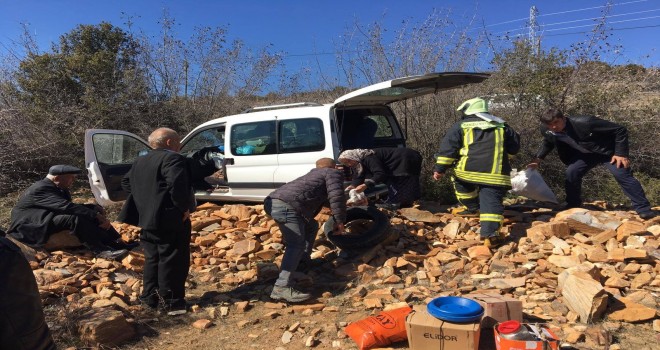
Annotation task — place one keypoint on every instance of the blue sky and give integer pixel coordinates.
(302, 28)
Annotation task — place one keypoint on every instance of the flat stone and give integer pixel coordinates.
(604, 236)
(641, 280)
(286, 337)
(629, 228)
(413, 214)
(630, 253)
(202, 324)
(445, 257)
(479, 252)
(538, 233)
(245, 247)
(629, 311)
(105, 327)
(564, 261)
(597, 254)
(616, 282)
(504, 283)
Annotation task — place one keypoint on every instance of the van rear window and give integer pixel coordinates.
(301, 135)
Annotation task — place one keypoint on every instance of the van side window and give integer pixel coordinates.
(214, 137)
(253, 138)
(114, 149)
(301, 135)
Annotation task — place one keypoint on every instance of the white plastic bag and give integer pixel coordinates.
(529, 183)
(356, 198)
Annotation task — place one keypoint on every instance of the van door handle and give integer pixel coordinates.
(229, 161)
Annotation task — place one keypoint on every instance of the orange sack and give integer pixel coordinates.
(381, 330)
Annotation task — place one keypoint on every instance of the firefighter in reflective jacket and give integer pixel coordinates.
(478, 148)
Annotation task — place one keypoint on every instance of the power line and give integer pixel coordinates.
(586, 31)
(569, 11)
(608, 16)
(612, 22)
(586, 19)
(613, 29)
(516, 35)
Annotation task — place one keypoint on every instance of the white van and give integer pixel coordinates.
(263, 148)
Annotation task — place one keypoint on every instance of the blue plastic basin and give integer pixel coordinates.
(455, 309)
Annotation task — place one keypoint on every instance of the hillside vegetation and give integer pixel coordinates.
(104, 76)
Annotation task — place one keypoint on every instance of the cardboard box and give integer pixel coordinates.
(497, 308)
(551, 342)
(427, 332)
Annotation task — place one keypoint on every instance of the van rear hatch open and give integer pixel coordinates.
(403, 88)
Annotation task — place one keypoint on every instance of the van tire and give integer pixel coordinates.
(378, 232)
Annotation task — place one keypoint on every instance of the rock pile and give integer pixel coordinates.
(570, 269)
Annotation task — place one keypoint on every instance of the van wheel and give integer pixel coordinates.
(373, 227)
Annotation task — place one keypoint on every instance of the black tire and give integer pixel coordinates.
(378, 232)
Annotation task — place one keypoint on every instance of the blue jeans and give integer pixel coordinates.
(629, 184)
(298, 233)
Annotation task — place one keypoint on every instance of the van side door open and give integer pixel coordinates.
(109, 155)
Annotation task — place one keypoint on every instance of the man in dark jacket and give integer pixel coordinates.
(294, 206)
(46, 208)
(478, 148)
(160, 200)
(398, 167)
(584, 142)
(22, 323)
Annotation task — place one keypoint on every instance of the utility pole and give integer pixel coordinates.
(534, 41)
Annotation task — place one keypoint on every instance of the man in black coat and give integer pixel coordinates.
(584, 142)
(294, 206)
(398, 167)
(160, 200)
(46, 208)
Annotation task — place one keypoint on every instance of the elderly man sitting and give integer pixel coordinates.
(46, 208)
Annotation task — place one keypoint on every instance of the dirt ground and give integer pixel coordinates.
(262, 326)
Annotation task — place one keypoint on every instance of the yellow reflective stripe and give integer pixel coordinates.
(497, 151)
(491, 217)
(470, 195)
(492, 179)
(502, 153)
(468, 137)
(444, 160)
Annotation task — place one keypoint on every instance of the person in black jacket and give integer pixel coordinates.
(397, 167)
(22, 323)
(294, 206)
(160, 200)
(478, 147)
(584, 142)
(46, 208)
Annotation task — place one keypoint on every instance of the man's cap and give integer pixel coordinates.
(63, 169)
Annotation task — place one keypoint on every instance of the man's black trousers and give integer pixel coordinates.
(578, 168)
(167, 260)
(88, 231)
